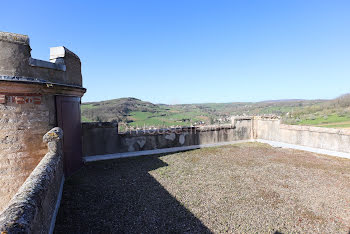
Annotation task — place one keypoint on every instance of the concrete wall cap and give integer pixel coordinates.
(178, 130)
(90, 125)
(60, 52)
(316, 129)
(242, 117)
(14, 38)
(46, 64)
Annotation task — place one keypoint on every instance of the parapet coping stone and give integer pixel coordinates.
(61, 52)
(90, 125)
(46, 64)
(316, 129)
(179, 130)
(14, 38)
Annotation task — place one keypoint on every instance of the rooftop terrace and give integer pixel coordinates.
(249, 187)
(235, 188)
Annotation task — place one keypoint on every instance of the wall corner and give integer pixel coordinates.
(61, 55)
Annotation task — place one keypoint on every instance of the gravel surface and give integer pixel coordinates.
(240, 188)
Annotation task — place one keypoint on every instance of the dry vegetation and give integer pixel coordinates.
(241, 188)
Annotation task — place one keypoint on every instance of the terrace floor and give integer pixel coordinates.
(248, 187)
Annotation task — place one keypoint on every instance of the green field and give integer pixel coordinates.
(320, 121)
(133, 112)
(165, 118)
(86, 107)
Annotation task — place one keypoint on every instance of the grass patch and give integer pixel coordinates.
(165, 118)
(340, 125)
(139, 115)
(87, 106)
(321, 120)
(84, 119)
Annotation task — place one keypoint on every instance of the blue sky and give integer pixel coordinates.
(193, 51)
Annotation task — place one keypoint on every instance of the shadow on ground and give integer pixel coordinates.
(120, 196)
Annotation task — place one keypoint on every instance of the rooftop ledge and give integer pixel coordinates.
(20, 79)
(46, 64)
(14, 38)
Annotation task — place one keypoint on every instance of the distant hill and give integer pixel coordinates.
(135, 112)
(115, 110)
(283, 100)
(327, 113)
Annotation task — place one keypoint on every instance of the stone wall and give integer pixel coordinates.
(103, 138)
(16, 61)
(100, 138)
(27, 105)
(21, 146)
(33, 208)
(330, 139)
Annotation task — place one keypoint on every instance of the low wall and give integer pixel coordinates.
(103, 138)
(32, 209)
(100, 138)
(322, 138)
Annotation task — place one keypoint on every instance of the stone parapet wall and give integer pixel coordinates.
(100, 138)
(32, 209)
(316, 137)
(103, 138)
(64, 66)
